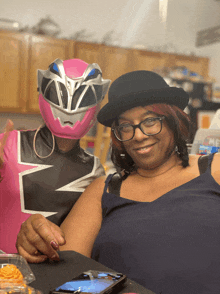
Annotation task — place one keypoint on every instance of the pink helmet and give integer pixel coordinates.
(70, 94)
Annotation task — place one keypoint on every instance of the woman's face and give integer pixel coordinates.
(148, 152)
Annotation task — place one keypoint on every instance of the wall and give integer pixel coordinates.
(207, 16)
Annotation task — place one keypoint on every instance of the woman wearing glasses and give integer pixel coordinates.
(158, 220)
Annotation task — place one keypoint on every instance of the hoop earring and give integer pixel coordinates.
(34, 144)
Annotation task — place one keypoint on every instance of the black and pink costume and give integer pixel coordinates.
(47, 186)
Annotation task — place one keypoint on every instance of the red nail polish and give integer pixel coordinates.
(54, 245)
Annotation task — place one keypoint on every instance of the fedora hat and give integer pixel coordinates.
(139, 88)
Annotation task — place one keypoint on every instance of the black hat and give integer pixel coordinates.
(139, 88)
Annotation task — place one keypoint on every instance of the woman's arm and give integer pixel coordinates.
(215, 168)
(83, 223)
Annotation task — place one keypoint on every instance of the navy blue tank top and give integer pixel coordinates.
(170, 245)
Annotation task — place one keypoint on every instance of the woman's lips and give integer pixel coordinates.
(144, 149)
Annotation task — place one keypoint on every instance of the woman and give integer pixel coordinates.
(159, 222)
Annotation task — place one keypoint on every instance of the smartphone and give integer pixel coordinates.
(92, 282)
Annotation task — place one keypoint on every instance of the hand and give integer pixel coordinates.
(8, 128)
(39, 239)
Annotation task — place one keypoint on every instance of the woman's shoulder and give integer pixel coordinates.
(215, 161)
(93, 193)
(216, 157)
(98, 181)
(194, 160)
(96, 187)
(216, 167)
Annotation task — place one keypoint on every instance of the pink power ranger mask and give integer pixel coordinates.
(70, 94)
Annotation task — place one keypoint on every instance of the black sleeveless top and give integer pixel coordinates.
(170, 245)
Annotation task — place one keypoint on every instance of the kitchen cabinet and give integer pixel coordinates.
(196, 64)
(117, 61)
(14, 71)
(147, 60)
(21, 55)
(89, 52)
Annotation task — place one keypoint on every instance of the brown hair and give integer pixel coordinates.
(178, 122)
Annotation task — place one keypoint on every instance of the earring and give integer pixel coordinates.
(34, 144)
(177, 150)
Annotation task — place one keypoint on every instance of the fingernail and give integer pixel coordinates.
(54, 245)
(55, 257)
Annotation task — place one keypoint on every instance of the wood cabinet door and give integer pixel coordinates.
(13, 73)
(89, 52)
(199, 65)
(116, 62)
(147, 60)
(42, 52)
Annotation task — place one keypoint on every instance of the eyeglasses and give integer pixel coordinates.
(150, 126)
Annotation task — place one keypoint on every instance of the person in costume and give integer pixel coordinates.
(44, 171)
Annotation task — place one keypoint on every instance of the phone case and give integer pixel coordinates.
(96, 279)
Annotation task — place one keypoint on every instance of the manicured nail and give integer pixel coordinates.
(55, 257)
(54, 245)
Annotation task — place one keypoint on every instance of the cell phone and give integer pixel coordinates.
(92, 282)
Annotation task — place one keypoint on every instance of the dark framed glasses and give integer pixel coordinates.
(150, 126)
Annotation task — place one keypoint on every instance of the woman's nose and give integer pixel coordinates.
(139, 135)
